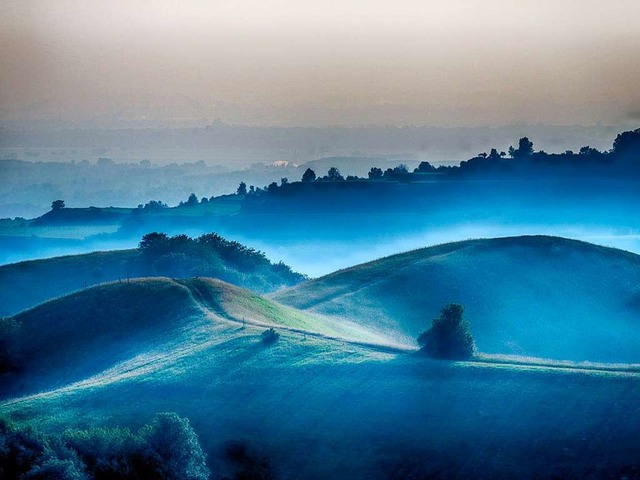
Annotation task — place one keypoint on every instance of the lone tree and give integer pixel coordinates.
(449, 336)
(57, 205)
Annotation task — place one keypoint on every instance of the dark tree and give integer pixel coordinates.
(494, 155)
(284, 181)
(525, 149)
(334, 175)
(587, 150)
(627, 143)
(449, 336)
(154, 205)
(172, 449)
(309, 175)
(424, 167)
(153, 241)
(375, 172)
(273, 187)
(192, 200)
(57, 205)
(242, 189)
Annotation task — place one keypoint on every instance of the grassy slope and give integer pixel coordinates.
(534, 296)
(316, 407)
(26, 284)
(319, 408)
(29, 283)
(55, 342)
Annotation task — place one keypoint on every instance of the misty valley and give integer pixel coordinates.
(402, 321)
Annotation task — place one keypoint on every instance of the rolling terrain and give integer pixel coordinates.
(533, 296)
(26, 284)
(377, 411)
(342, 395)
(66, 339)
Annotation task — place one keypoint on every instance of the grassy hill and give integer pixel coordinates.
(29, 283)
(334, 397)
(322, 402)
(314, 408)
(66, 339)
(534, 296)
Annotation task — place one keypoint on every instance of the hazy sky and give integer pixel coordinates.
(347, 62)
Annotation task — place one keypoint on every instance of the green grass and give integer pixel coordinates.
(29, 283)
(52, 343)
(319, 408)
(533, 296)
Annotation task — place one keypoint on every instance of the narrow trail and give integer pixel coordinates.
(486, 361)
(221, 315)
(170, 352)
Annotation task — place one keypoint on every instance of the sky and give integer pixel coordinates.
(314, 63)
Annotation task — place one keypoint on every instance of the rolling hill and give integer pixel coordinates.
(334, 397)
(374, 412)
(64, 340)
(26, 284)
(533, 296)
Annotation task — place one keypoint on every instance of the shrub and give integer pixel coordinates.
(270, 336)
(166, 449)
(449, 336)
(172, 450)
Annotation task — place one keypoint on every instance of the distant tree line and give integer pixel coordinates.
(625, 153)
(623, 157)
(211, 255)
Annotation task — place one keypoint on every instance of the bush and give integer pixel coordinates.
(172, 450)
(449, 336)
(166, 449)
(26, 454)
(270, 336)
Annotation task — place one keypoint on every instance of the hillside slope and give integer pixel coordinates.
(535, 296)
(67, 339)
(26, 284)
(314, 408)
(116, 354)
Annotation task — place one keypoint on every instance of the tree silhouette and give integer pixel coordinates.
(627, 143)
(309, 175)
(192, 200)
(334, 175)
(449, 336)
(525, 149)
(375, 172)
(242, 189)
(57, 205)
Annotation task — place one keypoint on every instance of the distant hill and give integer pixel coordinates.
(534, 296)
(29, 283)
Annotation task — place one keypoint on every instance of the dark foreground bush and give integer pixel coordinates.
(270, 336)
(166, 449)
(449, 336)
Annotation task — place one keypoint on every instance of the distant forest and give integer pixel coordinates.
(523, 160)
(520, 162)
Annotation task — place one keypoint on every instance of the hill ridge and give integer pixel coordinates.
(519, 293)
